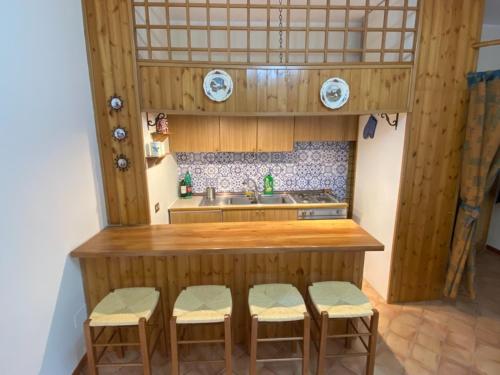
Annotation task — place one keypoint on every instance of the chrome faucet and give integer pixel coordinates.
(247, 187)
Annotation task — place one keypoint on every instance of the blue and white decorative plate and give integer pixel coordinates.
(218, 85)
(334, 93)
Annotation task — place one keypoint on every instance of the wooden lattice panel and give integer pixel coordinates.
(246, 32)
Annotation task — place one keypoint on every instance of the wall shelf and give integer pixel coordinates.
(160, 137)
(154, 160)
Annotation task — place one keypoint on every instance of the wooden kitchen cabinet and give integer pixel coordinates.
(191, 217)
(326, 128)
(259, 215)
(279, 215)
(194, 133)
(275, 134)
(238, 134)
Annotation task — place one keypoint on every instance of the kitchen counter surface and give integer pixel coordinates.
(193, 204)
(230, 238)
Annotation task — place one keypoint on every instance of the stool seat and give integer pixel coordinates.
(124, 307)
(276, 303)
(203, 304)
(340, 299)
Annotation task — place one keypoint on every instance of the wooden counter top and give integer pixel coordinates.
(230, 238)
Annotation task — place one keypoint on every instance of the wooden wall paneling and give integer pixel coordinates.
(172, 273)
(111, 55)
(431, 165)
(194, 133)
(189, 217)
(271, 91)
(275, 134)
(326, 128)
(238, 134)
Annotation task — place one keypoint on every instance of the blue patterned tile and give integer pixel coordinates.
(312, 165)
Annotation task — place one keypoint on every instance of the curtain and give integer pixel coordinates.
(480, 167)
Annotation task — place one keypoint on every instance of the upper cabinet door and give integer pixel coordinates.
(194, 133)
(238, 134)
(326, 128)
(275, 134)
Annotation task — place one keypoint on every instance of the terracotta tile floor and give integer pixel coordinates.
(416, 338)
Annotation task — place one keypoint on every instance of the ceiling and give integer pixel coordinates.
(492, 12)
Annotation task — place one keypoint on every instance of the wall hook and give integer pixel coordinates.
(391, 123)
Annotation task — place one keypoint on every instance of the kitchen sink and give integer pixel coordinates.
(241, 200)
(275, 199)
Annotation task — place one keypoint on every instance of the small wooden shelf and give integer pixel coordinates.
(160, 137)
(153, 160)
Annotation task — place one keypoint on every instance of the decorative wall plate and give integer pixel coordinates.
(120, 133)
(115, 103)
(122, 163)
(334, 93)
(218, 85)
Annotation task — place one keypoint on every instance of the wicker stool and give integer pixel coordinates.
(276, 303)
(343, 300)
(124, 308)
(202, 304)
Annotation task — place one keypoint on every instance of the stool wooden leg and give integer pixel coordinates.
(173, 346)
(253, 345)
(90, 348)
(163, 326)
(306, 344)
(348, 340)
(143, 339)
(121, 349)
(228, 344)
(372, 344)
(322, 343)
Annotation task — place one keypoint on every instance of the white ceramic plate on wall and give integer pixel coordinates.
(218, 85)
(334, 93)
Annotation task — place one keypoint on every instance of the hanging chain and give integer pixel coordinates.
(280, 18)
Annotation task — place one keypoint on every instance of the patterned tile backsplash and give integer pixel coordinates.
(311, 165)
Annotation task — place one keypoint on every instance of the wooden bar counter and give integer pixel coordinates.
(239, 255)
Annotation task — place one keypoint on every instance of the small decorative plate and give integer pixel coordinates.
(218, 85)
(115, 103)
(334, 93)
(120, 133)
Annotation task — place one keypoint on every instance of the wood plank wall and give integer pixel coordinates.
(275, 91)
(239, 272)
(113, 71)
(435, 134)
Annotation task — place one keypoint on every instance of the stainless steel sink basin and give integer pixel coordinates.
(228, 200)
(241, 200)
(275, 199)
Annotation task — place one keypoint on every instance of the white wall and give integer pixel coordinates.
(50, 190)
(489, 59)
(162, 180)
(376, 191)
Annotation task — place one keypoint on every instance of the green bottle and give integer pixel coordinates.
(182, 189)
(268, 184)
(189, 184)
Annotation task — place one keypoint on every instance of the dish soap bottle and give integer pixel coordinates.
(268, 184)
(189, 184)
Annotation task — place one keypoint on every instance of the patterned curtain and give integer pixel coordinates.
(480, 167)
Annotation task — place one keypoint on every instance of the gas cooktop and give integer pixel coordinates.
(313, 196)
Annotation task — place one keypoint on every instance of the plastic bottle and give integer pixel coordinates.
(268, 184)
